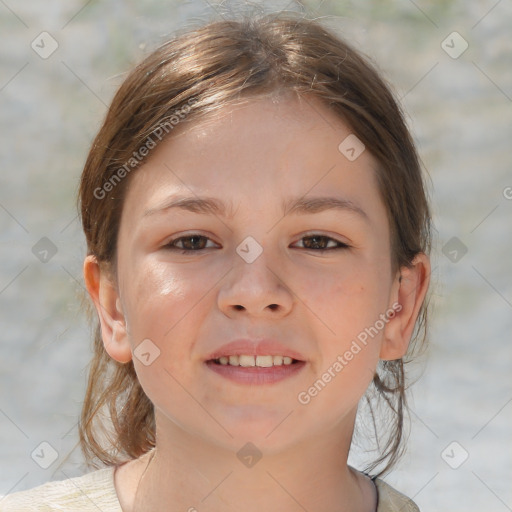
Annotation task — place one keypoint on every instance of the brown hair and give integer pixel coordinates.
(198, 72)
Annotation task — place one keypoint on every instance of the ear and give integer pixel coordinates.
(409, 290)
(106, 300)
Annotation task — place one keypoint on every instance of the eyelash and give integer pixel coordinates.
(328, 239)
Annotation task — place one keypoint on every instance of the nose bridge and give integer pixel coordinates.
(254, 281)
(253, 263)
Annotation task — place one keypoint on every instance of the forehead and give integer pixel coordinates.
(253, 154)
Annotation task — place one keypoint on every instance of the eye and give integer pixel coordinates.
(190, 243)
(197, 243)
(318, 242)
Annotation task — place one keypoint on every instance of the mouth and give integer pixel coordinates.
(254, 362)
(255, 370)
(260, 361)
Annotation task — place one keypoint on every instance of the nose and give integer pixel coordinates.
(255, 289)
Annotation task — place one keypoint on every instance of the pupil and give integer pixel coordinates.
(195, 244)
(316, 239)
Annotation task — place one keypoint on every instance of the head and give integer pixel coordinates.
(255, 113)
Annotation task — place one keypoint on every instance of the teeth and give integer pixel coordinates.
(260, 361)
(264, 361)
(246, 361)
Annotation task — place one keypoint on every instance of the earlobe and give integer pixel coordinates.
(105, 296)
(409, 290)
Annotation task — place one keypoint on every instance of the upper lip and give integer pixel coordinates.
(266, 347)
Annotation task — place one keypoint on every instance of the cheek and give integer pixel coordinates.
(347, 312)
(346, 301)
(347, 309)
(159, 298)
(164, 309)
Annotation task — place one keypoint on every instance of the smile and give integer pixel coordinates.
(260, 361)
(255, 370)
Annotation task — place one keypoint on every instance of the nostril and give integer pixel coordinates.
(271, 306)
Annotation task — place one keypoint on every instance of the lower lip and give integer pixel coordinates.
(256, 375)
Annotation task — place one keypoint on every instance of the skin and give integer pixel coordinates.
(255, 155)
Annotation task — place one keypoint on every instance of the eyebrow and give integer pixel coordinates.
(300, 206)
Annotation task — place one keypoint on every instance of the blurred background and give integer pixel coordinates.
(450, 63)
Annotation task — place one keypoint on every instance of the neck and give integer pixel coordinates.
(185, 472)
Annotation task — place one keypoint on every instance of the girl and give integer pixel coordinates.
(258, 236)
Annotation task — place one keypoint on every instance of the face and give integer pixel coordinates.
(295, 260)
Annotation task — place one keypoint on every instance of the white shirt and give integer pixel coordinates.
(95, 491)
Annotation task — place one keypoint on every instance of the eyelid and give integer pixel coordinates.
(175, 239)
(334, 236)
(340, 244)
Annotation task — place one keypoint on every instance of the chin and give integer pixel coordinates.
(266, 428)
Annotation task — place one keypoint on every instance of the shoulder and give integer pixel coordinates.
(390, 500)
(93, 491)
